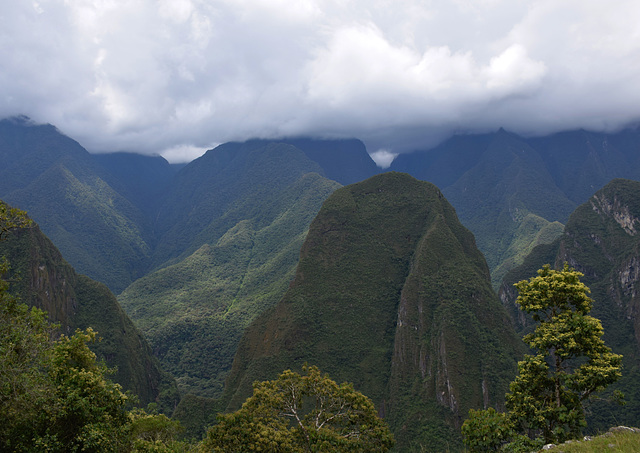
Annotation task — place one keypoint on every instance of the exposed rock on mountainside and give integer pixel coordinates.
(391, 294)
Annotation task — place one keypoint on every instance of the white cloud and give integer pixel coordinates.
(152, 75)
(184, 153)
(383, 158)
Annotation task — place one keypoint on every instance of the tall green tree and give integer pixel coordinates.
(55, 395)
(570, 365)
(301, 413)
(25, 351)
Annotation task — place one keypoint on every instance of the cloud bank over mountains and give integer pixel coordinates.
(178, 76)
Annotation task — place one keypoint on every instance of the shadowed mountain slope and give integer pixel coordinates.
(143, 180)
(391, 294)
(510, 190)
(56, 180)
(240, 237)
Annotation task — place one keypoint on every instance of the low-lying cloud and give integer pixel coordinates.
(178, 76)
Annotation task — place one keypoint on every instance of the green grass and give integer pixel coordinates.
(617, 440)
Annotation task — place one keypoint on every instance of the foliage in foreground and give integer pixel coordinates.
(301, 413)
(571, 364)
(55, 396)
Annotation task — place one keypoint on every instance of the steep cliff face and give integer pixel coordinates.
(42, 278)
(601, 240)
(391, 294)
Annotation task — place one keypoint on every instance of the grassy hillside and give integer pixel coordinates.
(391, 294)
(617, 440)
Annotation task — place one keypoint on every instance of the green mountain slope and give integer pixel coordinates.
(194, 311)
(54, 179)
(500, 193)
(143, 180)
(391, 294)
(42, 278)
(601, 240)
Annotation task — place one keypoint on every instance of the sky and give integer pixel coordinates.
(177, 77)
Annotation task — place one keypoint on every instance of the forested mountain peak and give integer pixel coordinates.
(378, 300)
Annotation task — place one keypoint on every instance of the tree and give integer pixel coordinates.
(89, 411)
(12, 218)
(25, 350)
(55, 395)
(301, 413)
(572, 362)
(570, 365)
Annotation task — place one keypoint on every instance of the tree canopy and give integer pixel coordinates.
(301, 413)
(11, 218)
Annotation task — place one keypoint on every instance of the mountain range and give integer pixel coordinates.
(212, 258)
(513, 192)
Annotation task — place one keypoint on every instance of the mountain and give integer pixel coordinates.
(42, 278)
(391, 294)
(228, 254)
(143, 180)
(117, 216)
(44, 172)
(514, 193)
(345, 161)
(601, 240)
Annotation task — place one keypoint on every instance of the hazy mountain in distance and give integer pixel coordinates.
(515, 193)
(62, 188)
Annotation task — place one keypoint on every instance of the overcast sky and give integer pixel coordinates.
(176, 77)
